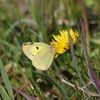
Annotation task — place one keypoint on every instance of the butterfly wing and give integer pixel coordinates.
(30, 48)
(43, 58)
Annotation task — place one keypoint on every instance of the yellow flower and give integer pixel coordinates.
(61, 42)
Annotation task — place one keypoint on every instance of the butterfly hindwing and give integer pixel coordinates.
(43, 58)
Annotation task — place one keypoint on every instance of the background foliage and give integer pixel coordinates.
(69, 77)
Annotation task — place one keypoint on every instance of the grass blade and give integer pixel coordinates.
(74, 60)
(4, 93)
(85, 49)
(6, 81)
(95, 78)
(64, 94)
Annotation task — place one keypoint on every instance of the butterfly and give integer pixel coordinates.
(40, 54)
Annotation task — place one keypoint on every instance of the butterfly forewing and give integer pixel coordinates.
(43, 58)
(30, 49)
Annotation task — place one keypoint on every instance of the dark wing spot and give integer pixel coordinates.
(37, 47)
(31, 43)
(24, 44)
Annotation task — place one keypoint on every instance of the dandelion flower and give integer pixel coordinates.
(61, 42)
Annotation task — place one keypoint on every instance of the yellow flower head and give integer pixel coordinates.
(61, 42)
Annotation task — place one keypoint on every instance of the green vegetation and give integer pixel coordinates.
(73, 75)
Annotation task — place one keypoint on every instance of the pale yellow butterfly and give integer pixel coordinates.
(40, 54)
